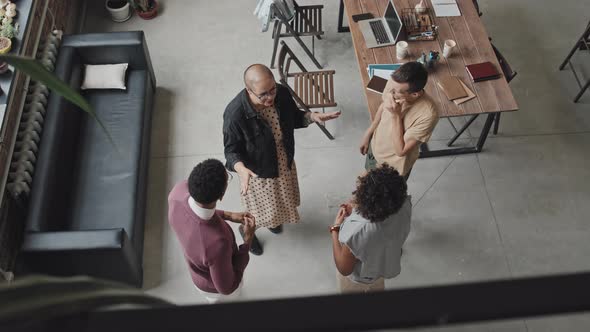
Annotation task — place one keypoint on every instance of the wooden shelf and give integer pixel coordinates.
(24, 9)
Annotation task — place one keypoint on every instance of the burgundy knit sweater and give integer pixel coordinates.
(215, 262)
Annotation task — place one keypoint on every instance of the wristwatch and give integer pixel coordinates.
(334, 228)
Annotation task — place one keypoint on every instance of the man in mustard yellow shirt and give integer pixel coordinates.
(405, 119)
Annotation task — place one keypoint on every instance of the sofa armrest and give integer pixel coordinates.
(113, 47)
(106, 254)
(75, 240)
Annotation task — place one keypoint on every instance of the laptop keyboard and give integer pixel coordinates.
(379, 32)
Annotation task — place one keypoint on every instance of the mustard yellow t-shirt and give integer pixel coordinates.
(419, 119)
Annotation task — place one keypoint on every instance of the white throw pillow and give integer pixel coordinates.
(105, 76)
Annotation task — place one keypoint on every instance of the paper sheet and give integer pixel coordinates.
(445, 8)
(383, 73)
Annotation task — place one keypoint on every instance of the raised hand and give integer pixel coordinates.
(394, 106)
(322, 117)
(342, 214)
(347, 208)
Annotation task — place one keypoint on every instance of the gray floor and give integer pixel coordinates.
(519, 208)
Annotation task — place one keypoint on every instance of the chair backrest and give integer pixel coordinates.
(301, 20)
(477, 7)
(286, 56)
(283, 11)
(508, 72)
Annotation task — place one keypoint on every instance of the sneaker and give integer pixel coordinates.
(255, 246)
(276, 230)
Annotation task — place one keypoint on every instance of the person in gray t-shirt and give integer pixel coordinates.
(370, 230)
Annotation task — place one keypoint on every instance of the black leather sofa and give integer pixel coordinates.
(87, 206)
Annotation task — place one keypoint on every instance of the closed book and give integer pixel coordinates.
(470, 94)
(482, 71)
(452, 87)
(487, 78)
(377, 84)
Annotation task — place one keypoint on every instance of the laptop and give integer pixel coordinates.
(382, 31)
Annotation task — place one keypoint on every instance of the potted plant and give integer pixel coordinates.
(146, 9)
(5, 45)
(7, 30)
(119, 10)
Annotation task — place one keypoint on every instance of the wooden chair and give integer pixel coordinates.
(477, 7)
(311, 89)
(509, 74)
(583, 44)
(306, 22)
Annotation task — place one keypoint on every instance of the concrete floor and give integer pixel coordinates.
(517, 209)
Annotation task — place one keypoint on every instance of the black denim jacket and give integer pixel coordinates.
(248, 138)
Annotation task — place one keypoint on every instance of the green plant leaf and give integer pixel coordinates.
(34, 69)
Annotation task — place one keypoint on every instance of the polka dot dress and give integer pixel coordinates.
(274, 201)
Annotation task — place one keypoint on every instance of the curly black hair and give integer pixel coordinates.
(207, 181)
(412, 73)
(380, 193)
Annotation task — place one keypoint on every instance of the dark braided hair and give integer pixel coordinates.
(207, 182)
(380, 193)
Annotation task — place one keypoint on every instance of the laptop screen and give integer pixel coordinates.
(393, 20)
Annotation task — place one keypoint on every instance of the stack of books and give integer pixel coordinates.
(455, 89)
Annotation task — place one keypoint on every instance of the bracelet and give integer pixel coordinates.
(334, 228)
(310, 117)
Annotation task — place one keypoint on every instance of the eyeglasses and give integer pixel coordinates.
(266, 95)
(405, 92)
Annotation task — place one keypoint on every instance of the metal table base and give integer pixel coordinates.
(341, 17)
(425, 152)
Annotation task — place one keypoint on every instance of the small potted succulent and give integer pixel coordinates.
(119, 10)
(10, 10)
(7, 30)
(146, 9)
(5, 45)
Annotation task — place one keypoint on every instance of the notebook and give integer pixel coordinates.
(452, 87)
(377, 84)
(383, 70)
(470, 94)
(482, 71)
(444, 8)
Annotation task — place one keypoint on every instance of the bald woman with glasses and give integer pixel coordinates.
(259, 144)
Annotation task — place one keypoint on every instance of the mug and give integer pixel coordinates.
(449, 45)
(401, 50)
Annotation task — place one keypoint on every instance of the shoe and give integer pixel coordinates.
(276, 230)
(255, 246)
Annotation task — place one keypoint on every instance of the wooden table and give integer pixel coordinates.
(473, 46)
